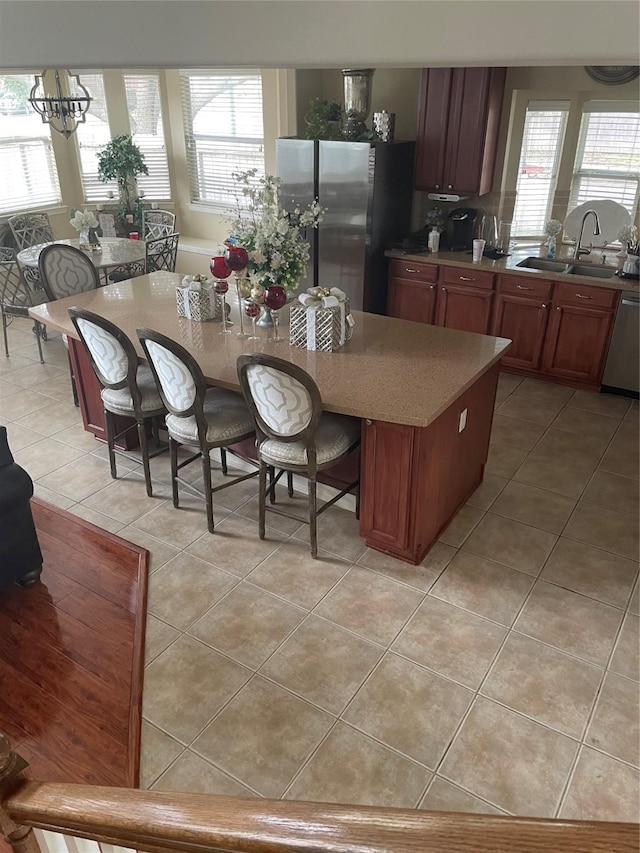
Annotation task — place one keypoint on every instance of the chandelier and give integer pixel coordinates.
(64, 112)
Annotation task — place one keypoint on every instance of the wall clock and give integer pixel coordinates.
(612, 75)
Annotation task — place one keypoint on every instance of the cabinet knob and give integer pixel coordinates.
(558, 308)
(522, 287)
(431, 286)
(545, 305)
(368, 421)
(444, 289)
(437, 186)
(450, 187)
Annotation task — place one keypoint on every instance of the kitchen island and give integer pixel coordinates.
(425, 397)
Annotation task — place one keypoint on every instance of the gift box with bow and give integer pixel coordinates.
(197, 300)
(320, 320)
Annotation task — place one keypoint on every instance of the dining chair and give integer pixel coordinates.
(30, 229)
(129, 270)
(198, 416)
(66, 271)
(16, 297)
(157, 223)
(294, 433)
(128, 388)
(161, 253)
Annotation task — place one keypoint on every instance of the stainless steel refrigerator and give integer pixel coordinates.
(366, 190)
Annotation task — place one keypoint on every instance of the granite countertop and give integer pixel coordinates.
(510, 265)
(391, 370)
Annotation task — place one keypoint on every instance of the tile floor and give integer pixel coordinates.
(501, 675)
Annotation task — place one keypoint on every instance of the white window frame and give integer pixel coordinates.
(45, 141)
(577, 102)
(220, 205)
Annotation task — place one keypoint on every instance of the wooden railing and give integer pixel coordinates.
(199, 823)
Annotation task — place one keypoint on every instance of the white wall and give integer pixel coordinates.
(317, 33)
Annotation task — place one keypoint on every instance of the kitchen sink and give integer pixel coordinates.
(533, 263)
(590, 271)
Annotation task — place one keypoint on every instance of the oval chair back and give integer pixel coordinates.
(127, 387)
(66, 271)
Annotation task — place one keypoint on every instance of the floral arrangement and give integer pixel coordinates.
(272, 237)
(628, 235)
(83, 220)
(436, 217)
(552, 227)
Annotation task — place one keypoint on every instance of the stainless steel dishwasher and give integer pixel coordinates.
(621, 371)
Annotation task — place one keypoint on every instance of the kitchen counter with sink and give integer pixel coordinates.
(583, 271)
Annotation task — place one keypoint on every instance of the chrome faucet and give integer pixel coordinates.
(596, 230)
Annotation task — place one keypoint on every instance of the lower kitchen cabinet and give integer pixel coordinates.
(559, 330)
(521, 312)
(576, 343)
(412, 291)
(464, 299)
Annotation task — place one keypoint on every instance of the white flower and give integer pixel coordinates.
(83, 220)
(271, 235)
(627, 234)
(552, 227)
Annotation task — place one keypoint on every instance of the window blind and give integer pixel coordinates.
(542, 140)
(91, 137)
(607, 163)
(147, 131)
(222, 112)
(27, 162)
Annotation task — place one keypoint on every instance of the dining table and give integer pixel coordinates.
(112, 253)
(424, 396)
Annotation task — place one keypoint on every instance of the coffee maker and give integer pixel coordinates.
(461, 228)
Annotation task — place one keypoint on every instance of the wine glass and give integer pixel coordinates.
(237, 260)
(252, 310)
(221, 272)
(221, 286)
(275, 297)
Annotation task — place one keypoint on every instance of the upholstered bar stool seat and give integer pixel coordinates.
(294, 434)
(334, 436)
(128, 388)
(198, 417)
(120, 402)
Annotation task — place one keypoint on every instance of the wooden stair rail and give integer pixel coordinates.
(195, 823)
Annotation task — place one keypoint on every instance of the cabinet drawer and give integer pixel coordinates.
(529, 287)
(471, 277)
(412, 270)
(585, 295)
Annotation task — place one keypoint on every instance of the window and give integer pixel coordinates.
(607, 161)
(27, 162)
(91, 137)
(601, 161)
(224, 133)
(145, 119)
(544, 128)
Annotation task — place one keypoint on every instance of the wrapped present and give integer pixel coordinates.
(320, 320)
(197, 300)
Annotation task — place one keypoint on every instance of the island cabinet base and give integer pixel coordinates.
(415, 479)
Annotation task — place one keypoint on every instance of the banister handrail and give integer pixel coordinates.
(193, 823)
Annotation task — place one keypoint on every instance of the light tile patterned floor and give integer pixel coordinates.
(499, 676)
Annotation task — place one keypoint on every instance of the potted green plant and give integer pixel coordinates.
(323, 120)
(122, 160)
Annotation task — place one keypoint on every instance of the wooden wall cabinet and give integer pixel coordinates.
(458, 125)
